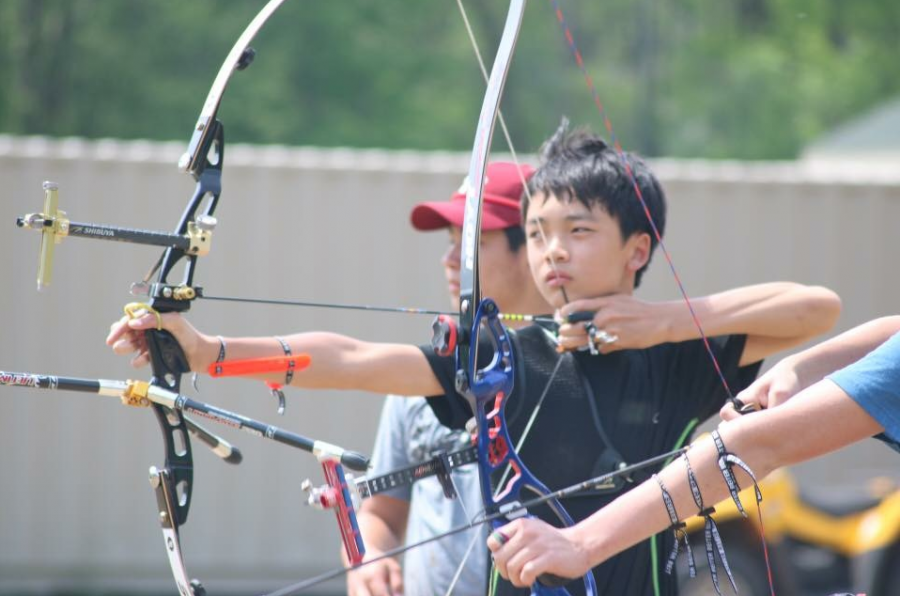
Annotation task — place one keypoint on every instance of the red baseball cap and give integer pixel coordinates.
(502, 194)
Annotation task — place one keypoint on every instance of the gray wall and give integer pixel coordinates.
(332, 225)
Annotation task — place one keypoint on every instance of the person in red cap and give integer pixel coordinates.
(409, 433)
(504, 266)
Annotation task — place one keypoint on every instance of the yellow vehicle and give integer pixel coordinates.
(815, 549)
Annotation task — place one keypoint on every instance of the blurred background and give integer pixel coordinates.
(774, 126)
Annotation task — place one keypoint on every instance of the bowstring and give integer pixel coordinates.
(506, 135)
(527, 190)
(589, 81)
(607, 122)
(529, 196)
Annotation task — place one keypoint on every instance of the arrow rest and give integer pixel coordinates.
(445, 332)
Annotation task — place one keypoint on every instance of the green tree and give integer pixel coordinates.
(748, 79)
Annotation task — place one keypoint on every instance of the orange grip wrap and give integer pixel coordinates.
(254, 366)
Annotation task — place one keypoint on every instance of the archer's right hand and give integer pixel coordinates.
(383, 578)
(126, 336)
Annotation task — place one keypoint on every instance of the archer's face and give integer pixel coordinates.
(581, 250)
(504, 274)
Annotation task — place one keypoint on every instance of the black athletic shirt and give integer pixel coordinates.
(646, 402)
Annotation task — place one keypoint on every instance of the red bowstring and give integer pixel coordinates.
(637, 191)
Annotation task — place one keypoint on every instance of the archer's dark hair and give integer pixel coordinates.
(515, 237)
(580, 166)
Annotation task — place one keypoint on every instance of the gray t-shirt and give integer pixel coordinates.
(409, 433)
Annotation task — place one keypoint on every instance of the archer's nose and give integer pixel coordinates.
(450, 259)
(556, 250)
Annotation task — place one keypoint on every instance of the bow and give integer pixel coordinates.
(173, 483)
(487, 388)
(204, 161)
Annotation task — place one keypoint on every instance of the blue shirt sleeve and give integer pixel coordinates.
(874, 383)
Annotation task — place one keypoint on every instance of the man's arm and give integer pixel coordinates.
(383, 518)
(798, 371)
(382, 522)
(774, 316)
(337, 361)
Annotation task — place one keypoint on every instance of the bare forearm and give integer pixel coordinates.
(814, 364)
(377, 534)
(382, 523)
(774, 316)
(819, 420)
(337, 362)
(778, 309)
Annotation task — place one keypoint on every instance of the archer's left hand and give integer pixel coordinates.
(126, 337)
(628, 323)
(527, 548)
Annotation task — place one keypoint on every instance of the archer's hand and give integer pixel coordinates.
(776, 386)
(383, 578)
(126, 336)
(533, 548)
(633, 323)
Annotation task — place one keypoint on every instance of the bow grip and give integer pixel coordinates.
(551, 580)
(167, 358)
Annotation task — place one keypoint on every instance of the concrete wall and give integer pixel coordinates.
(76, 511)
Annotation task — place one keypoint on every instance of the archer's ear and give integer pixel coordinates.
(639, 251)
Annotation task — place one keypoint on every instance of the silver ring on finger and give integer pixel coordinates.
(603, 337)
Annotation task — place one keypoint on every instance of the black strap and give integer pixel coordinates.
(610, 455)
(221, 357)
(726, 462)
(678, 529)
(710, 531)
(289, 374)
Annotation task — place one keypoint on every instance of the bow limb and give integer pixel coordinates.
(487, 388)
(173, 484)
(203, 160)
